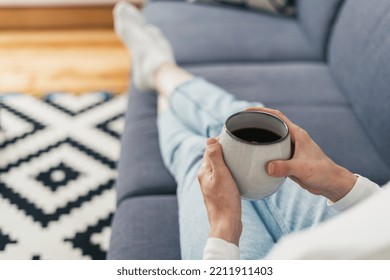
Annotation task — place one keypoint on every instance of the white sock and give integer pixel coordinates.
(148, 46)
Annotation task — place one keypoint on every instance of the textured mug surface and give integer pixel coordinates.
(247, 160)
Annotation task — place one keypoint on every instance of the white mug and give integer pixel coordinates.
(247, 159)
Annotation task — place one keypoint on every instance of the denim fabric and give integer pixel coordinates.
(198, 111)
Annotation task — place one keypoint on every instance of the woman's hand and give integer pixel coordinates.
(221, 196)
(309, 166)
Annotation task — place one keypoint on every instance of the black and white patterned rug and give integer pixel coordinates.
(57, 173)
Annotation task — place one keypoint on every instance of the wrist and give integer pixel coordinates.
(342, 183)
(227, 230)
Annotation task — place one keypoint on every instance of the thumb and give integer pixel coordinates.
(214, 154)
(279, 168)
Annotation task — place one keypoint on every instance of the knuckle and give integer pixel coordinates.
(278, 112)
(200, 175)
(281, 116)
(305, 134)
(211, 152)
(301, 132)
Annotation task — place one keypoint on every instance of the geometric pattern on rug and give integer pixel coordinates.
(58, 158)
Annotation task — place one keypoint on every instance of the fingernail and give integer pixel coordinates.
(271, 169)
(211, 141)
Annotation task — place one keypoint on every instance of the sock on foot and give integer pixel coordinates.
(149, 48)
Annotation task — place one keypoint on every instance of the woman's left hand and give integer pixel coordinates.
(309, 166)
(220, 194)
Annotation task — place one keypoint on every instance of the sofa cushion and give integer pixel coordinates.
(202, 33)
(146, 228)
(316, 18)
(141, 168)
(359, 62)
(276, 83)
(280, 7)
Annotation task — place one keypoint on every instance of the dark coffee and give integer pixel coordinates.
(257, 135)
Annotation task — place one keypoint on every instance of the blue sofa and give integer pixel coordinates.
(327, 68)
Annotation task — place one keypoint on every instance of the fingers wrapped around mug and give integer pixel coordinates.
(220, 194)
(309, 166)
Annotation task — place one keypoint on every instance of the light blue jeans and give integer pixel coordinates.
(198, 110)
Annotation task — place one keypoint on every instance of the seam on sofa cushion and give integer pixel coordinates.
(332, 24)
(145, 192)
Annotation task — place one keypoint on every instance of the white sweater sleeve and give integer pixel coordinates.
(362, 232)
(219, 249)
(362, 189)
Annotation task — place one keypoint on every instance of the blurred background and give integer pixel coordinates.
(60, 45)
(63, 75)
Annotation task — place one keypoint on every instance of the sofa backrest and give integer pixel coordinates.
(316, 18)
(359, 60)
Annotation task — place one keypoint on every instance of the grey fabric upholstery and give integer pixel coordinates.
(146, 228)
(316, 19)
(141, 169)
(201, 33)
(304, 83)
(360, 63)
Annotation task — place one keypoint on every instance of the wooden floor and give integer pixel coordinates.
(70, 60)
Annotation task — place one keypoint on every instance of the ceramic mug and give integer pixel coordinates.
(247, 160)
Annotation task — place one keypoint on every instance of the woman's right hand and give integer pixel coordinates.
(309, 165)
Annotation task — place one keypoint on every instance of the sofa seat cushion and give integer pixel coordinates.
(276, 83)
(146, 228)
(202, 33)
(141, 168)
